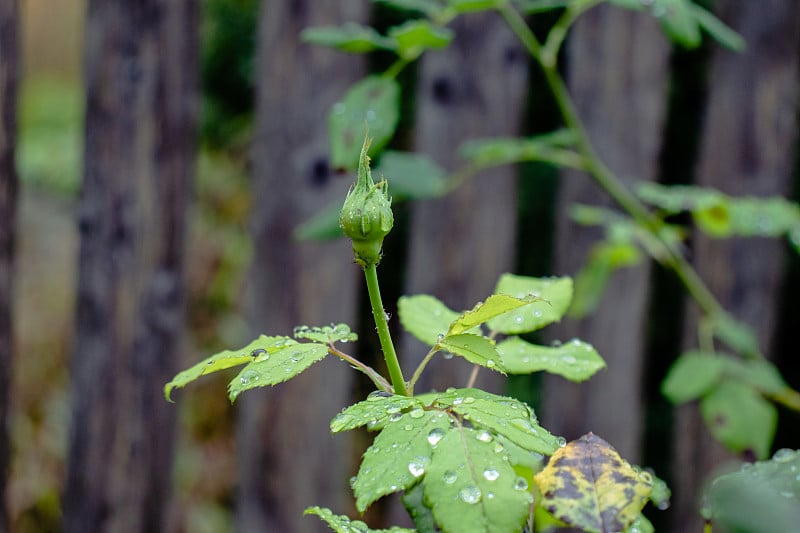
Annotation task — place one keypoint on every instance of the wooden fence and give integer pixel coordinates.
(141, 115)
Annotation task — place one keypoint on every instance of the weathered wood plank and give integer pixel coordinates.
(460, 244)
(618, 77)
(9, 75)
(288, 460)
(749, 146)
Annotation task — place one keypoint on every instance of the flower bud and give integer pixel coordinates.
(366, 217)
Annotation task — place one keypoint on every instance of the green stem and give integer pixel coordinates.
(422, 365)
(600, 173)
(395, 68)
(371, 373)
(396, 375)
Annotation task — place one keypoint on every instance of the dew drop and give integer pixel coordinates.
(498, 448)
(470, 494)
(469, 399)
(537, 313)
(561, 442)
(484, 436)
(353, 481)
(555, 343)
(518, 319)
(784, 455)
(408, 427)
(259, 352)
(490, 363)
(440, 337)
(248, 377)
(378, 395)
(392, 409)
(490, 474)
(520, 484)
(490, 495)
(447, 355)
(417, 412)
(449, 477)
(417, 466)
(458, 400)
(435, 436)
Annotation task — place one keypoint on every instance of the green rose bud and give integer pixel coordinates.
(366, 217)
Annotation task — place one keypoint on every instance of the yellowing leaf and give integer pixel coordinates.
(589, 486)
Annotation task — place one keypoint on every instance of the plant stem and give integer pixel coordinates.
(371, 373)
(396, 375)
(600, 173)
(425, 360)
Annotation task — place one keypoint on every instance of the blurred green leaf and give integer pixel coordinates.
(717, 29)
(276, 366)
(575, 360)
(740, 418)
(551, 147)
(350, 37)
(472, 487)
(323, 226)
(691, 376)
(372, 103)
(416, 36)
(431, 8)
(735, 334)
(412, 176)
(472, 6)
(590, 283)
(763, 497)
(758, 373)
(556, 293)
(399, 455)
(419, 511)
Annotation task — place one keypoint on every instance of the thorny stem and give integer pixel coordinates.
(396, 375)
(606, 179)
(371, 373)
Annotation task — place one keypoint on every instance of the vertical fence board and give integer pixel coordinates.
(748, 148)
(618, 77)
(137, 165)
(288, 459)
(9, 72)
(460, 244)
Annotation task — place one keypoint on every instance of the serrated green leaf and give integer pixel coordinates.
(494, 306)
(575, 360)
(557, 292)
(717, 29)
(374, 412)
(763, 497)
(476, 349)
(589, 486)
(677, 198)
(425, 317)
(740, 418)
(471, 487)
(502, 415)
(350, 37)
(416, 36)
(760, 374)
(691, 376)
(254, 351)
(412, 175)
(326, 334)
(399, 455)
(343, 524)
(373, 101)
(323, 226)
(277, 367)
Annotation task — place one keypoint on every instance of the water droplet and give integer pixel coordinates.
(378, 395)
(259, 351)
(387, 316)
(248, 376)
(440, 337)
(417, 466)
(561, 442)
(662, 505)
(370, 115)
(491, 474)
(394, 417)
(435, 436)
(469, 399)
(784, 455)
(498, 448)
(417, 412)
(458, 400)
(490, 363)
(408, 427)
(555, 343)
(518, 319)
(537, 313)
(447, 355)
(484, 436)
(646, 477)
(449, 477)
(353, 481)
(470, 494)
(392, 409)
(520, 484)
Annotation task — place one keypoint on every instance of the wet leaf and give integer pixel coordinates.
(691, 376)
(326, 334)
(399, 455)
(740, 418)
(502, 415)
(494, 306)
(372, 103)
(350, 37)
(557, 293)
(343, 524)
(575, 360)
(758, 373)
(425, 317)
(763, 497)
(475, 349)
(279, 366)
(374, 412)
(256, 350)
(472, 487)
(419, 511)
(589, 486)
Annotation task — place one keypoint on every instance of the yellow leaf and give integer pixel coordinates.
(588, 485)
